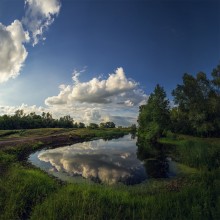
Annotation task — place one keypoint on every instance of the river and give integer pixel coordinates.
(104, 161)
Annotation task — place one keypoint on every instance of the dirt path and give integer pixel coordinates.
(47, 140)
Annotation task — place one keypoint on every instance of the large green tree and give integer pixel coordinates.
(216, 79)
(154, 117)
(197, 105)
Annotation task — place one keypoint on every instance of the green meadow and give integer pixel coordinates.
(27, 192)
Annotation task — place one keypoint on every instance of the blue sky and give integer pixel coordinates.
(153, 41)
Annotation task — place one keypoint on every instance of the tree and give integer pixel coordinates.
(179, 121)
(20, 120)
(66, 122)
(81, 125)
(216, 79)
(133, 128)
(108, 124)
(214, 101)
(154, 117)
(197, 103)
(93, 126)
(102, 125)
(19, 113)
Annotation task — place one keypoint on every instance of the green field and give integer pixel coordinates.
(28, 193)
(68, 132)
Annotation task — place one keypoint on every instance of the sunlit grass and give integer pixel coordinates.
(196, 152)
(22, 189)
(42, 132)
(193, 201)
(29, 193)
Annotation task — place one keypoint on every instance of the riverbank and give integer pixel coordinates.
(29, 193)
(56, 136)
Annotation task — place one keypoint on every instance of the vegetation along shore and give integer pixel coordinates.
(29, 193)
(187, 133)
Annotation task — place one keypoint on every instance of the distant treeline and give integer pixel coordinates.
(20, 120)
(196, 109)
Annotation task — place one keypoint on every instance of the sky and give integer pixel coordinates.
(98, 60)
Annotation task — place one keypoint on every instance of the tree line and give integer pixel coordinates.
(20, 120)
(196, 108)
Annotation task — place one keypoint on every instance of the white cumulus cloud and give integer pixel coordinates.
(92, 115)
(10, 110)
(12, 51)
(120, 120)
(99, 91)
(39, 16)
(115, 98)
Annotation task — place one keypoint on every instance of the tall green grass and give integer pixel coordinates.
(21, 189)
(199, 154)
(100, 202)
(29, 193)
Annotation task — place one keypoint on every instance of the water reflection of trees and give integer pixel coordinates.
(154, 157)
(113, 136)
(133, 135)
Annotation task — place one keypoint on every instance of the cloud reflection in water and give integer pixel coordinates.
(101, 161)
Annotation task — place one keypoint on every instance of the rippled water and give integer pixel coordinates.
(99, 161)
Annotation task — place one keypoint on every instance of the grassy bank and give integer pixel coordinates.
(6, 135)
(28, 193)
(195, 152)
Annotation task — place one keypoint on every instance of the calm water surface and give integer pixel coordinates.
(101, 161)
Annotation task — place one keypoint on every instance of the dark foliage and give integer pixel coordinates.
(198, 105)
(108, 124)
(154, 117)
(20, 120)
(196, 111)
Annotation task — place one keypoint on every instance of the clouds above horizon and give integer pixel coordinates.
(115, 98)
(12, 50)
(115, 89)
(38, 17)
(79, 114)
